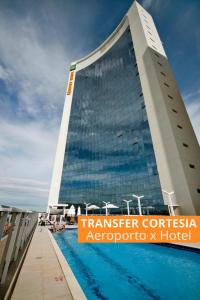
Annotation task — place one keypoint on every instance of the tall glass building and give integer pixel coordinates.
(125, 129)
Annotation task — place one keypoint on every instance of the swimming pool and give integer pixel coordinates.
(131, 271)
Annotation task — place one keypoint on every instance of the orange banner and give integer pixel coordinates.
(139, 229)
(69, 89)
(71, 76)
(70, 84)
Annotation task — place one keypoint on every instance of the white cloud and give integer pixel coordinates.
(23, 192)
(147, 3)
(34, 60)
(4, 74)
(26, 155)
(157, 5)
(33, 68)
(35, 71)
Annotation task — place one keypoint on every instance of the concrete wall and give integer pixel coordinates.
(60, 152)
(165, 114)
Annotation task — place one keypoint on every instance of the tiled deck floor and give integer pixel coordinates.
(41, 276)
(191, 245)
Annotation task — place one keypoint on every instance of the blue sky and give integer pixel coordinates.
(39, 39)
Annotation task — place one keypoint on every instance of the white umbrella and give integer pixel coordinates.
(93, 207)
(109, 205)
(71, 212)
(79, 211)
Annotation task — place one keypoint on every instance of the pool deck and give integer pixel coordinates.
(189, 245)
(42, 275)
(45, 274)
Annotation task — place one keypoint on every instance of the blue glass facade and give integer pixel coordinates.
(109, 153)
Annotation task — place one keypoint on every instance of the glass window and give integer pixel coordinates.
(109, 153)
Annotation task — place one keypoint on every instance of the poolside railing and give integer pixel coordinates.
(16, 230)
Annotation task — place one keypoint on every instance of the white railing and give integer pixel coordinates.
(16, 230)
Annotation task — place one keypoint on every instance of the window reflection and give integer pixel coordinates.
(109, 152)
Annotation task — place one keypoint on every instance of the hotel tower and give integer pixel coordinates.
(125, 129)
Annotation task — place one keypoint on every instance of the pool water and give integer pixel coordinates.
(131, 271)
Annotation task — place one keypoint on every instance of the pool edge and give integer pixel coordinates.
(181, 246)
(75, 288)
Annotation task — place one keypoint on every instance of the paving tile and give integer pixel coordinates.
(41, 276)
(66, 297)
(27, 296)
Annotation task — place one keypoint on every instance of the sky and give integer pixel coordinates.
(38, 41)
